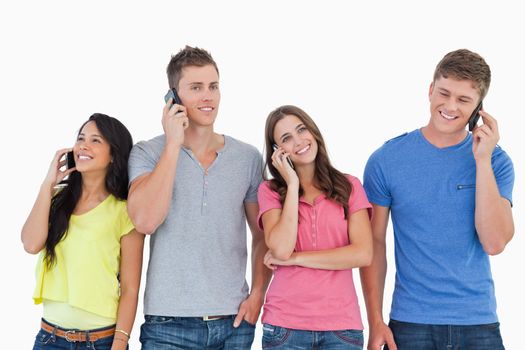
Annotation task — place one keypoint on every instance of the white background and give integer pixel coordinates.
(361, 70)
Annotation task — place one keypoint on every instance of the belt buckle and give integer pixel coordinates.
(210, 318)
(67, 336)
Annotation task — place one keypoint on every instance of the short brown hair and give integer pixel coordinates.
(464, 64)
(188, 56)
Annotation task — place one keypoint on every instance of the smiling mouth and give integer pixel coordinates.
(448, 117)
(206, 109)
(303, 150)
(84, 157)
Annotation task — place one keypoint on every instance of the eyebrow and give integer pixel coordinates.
(287, 133)
(93, 135)
(448, 92)
(201, 83)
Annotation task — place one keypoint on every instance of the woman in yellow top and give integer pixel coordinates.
(88, 273)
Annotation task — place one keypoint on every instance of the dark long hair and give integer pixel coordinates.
(331, 181)
(65, 201)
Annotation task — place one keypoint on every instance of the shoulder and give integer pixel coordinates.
(239, 145)
(395, 145)
(151, 144)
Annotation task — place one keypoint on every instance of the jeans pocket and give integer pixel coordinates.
(274, 336)
(350, 336)
(43, 337)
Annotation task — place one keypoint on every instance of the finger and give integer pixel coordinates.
(488, 119)
(239, 317)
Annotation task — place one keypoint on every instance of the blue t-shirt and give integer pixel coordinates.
(442, 272)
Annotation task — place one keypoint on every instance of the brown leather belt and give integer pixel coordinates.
(73, 336)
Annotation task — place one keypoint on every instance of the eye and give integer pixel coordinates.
(195, 88)
(214, 87)
(285, 139)
(80, 138)
(463, 100)
(302, 129)
(443, 94)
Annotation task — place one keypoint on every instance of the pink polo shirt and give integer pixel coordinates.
(314, 299)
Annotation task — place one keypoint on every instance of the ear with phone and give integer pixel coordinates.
(473, 120)
(275, 148)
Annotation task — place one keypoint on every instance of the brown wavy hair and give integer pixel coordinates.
(328, 179)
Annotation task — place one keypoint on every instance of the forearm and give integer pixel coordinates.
(373, 283)
(282, 237)
(125, 318)
(260, 274)
(35, 229)
(341, 258)
(150, 199)
(493, 215)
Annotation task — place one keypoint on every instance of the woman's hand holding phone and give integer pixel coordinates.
(174, 122)
(54, 174)
(283, 164)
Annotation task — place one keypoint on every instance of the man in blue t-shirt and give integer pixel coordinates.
(450, 194)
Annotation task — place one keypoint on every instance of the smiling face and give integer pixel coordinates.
(452, 102)
(92, 152)
(199, 92)
(293, 136)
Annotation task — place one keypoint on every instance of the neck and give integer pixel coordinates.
(93, 187)
(202, 139)
(306, 174)
(442, 140)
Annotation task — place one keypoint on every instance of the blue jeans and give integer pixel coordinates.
(50, 341)
(163, 333)
(416, 336)
(281, 338)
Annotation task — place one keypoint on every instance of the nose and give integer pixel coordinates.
(451, 105)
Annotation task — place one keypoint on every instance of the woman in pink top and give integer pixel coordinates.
(317, 228)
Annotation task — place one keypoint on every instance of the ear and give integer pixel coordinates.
(430, 89)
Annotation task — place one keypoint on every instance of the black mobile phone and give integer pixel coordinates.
(172, 93)
(473, 120)
(70, 160)
(275, 147)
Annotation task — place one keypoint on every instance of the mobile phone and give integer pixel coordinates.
(275, 147)
(70, 160)
(473, 120)
(172, 93)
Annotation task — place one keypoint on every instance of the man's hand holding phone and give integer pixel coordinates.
(174, 119)
(485, 137)
(282, 162)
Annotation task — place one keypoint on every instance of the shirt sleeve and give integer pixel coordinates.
(256, 178)
(504, 173)
(267, 199)
(358, 199)
(375, 183)
(141, 161)
(126, 226)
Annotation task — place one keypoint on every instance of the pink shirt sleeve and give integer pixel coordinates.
(358, 199)
(268, 199)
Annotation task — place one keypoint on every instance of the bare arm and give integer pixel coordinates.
(150, 194)
(131, 248)
(373, 282)
(356, 254)
(493, 213)
(251, 307)
(280, 225)
(35, 229)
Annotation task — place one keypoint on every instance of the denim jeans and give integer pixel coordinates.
(275, 337)
(163, 333)
(49, 341)
(415, 336)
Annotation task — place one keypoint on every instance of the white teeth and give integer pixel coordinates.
(301, 151)
(206, 109)
(448, 117)
(84, 157)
